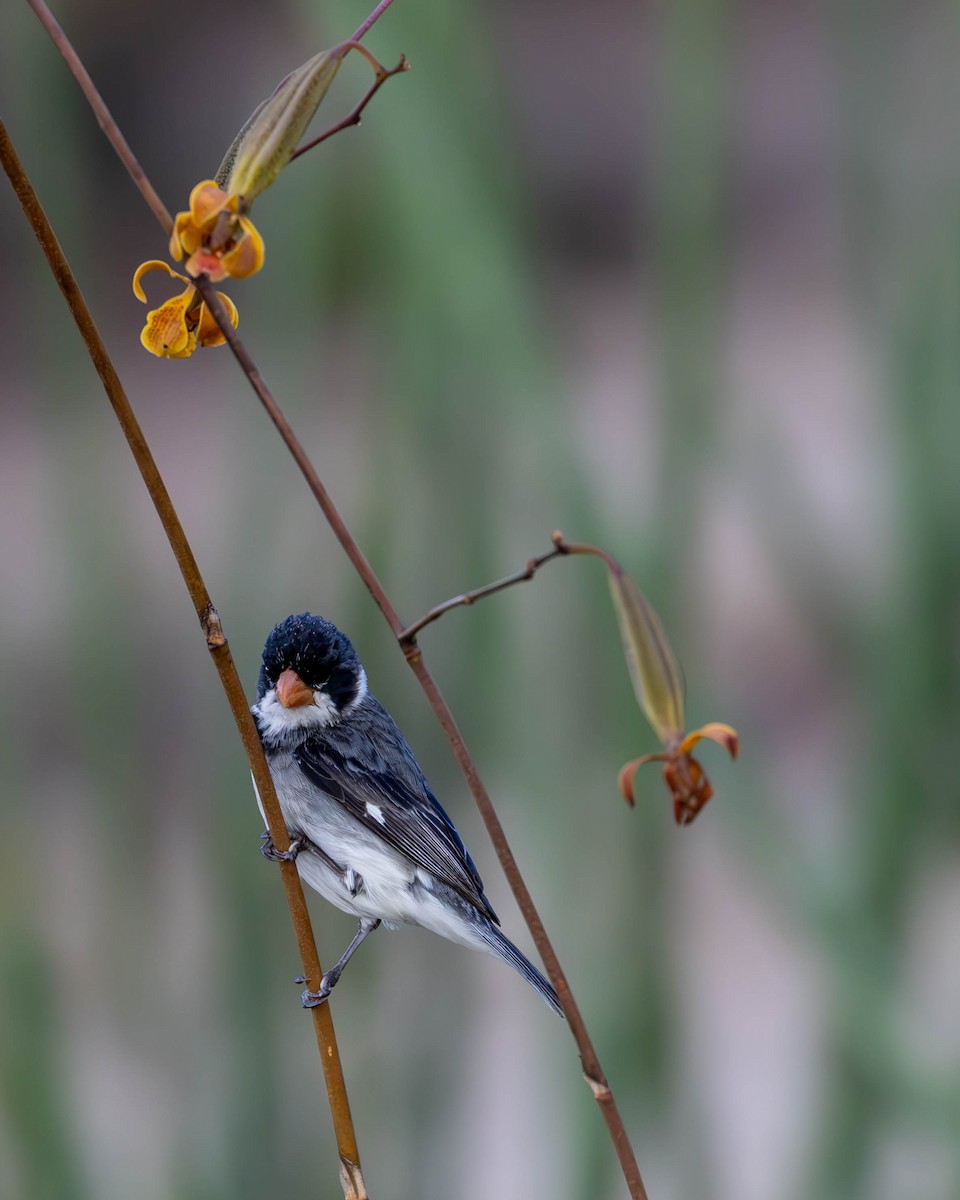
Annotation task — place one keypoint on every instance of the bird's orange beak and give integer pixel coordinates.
(292, 692)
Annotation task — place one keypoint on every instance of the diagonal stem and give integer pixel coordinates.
(371, 20)
(465, 599)
(217, 645)
(593, 1071)
(561, 548)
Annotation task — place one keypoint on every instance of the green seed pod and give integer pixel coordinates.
(264, 145)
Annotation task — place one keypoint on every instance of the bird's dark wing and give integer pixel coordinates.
(372, 772)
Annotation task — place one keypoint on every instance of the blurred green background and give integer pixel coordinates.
(680, 279)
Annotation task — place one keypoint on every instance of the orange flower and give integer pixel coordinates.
(216, 238)
(182, 323)
(658, 683)
(683, 775)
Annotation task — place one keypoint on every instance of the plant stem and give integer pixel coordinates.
(371, 20)
(467, 598)
(592, 1069)
(354, 117)
(561, 549)
(217, 645)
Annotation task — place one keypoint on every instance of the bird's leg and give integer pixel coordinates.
(272, 854)
(300, 842)
(312, 999)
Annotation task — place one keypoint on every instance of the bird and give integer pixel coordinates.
(366, 831)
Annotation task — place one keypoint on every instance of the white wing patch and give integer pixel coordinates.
(375, 811)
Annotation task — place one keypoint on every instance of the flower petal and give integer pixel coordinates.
(206, 262)
(188, 349)
(165, 333)
(207, 201)
(627, 772)
(154, 264)
(185, 237)
(717, 732)
(246, 257)
(209, 332)
(625, 781)
(657, 678)
(689, 787)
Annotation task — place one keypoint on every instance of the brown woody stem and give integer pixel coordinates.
(561, 548)
(468, 598)
(371, 20)
(217, 645)
(382, 75)
(593, 1071)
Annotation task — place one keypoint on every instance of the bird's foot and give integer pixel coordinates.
(272, 854)
(312, 999)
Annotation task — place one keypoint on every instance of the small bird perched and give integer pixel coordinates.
(366, 831)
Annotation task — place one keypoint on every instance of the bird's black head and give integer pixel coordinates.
(319, 654)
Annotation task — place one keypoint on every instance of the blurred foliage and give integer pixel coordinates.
(680, 280)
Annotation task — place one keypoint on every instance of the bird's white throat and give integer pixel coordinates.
(278, 722)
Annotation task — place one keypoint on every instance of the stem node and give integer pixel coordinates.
(212, 628)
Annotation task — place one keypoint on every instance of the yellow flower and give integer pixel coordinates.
(182, 323)
(216, 238)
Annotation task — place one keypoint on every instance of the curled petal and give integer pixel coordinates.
(246, 257)
(717, 732)
(166, 334)
(625, 781)
(627, 772)
(654, 670)
(209, 332)
(185, 237)
(207, 201)
(154, 264)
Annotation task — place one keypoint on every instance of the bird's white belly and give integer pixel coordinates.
(376, 880)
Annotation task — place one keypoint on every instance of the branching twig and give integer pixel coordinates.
(354, 117)
(407, 636)
(561, 548)
(219, 649)
(593, 1071)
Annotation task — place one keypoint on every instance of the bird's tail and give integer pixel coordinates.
(503, 948)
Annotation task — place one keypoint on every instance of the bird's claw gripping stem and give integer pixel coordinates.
(272, 854)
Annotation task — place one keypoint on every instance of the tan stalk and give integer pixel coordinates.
(351, 1177)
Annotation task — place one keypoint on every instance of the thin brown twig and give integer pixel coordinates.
(371, 20)
(561, 549)
(592, 1069)
(465, 599)
(354, 117)
(216, 641)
